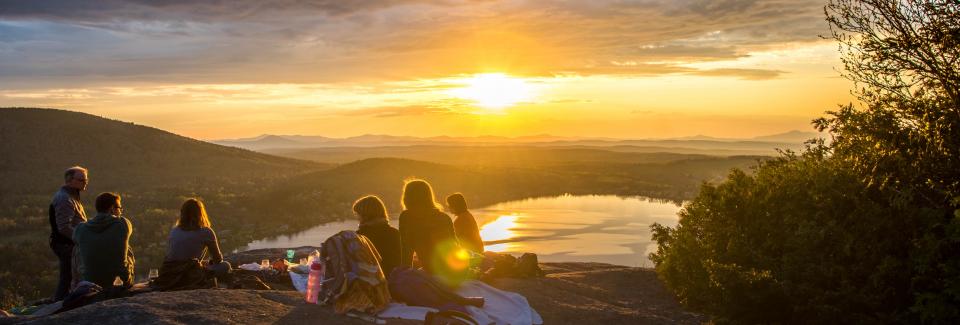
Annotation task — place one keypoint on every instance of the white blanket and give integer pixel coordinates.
(500, 307)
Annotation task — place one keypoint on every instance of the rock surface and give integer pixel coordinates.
(570, 293)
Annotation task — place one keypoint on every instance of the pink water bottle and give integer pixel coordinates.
(314, 280)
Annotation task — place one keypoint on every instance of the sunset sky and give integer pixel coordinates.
(230, 69)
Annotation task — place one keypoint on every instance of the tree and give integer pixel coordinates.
(879, 202)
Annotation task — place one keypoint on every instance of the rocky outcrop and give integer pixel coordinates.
(570, 293)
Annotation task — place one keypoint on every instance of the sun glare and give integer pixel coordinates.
(494, 91)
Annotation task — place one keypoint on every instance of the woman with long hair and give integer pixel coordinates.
(428, 232)
(193, 238)
(375, 225)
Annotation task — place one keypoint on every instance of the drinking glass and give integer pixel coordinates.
(264, 263)
(154, 273)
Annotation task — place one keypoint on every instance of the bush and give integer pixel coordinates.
(863, 230)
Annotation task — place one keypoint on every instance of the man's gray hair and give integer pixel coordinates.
(70, 172)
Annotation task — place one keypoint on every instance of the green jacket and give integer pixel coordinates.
(103, 245)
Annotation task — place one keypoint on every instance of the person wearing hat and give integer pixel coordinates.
(374, 224)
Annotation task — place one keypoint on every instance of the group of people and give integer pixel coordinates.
(425, 231)
(98, 250)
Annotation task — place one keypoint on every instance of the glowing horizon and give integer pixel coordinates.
(407, 68)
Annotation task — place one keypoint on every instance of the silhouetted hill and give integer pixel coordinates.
(37, 144)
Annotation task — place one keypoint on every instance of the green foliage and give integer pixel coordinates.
(863, 230)
(798, 240)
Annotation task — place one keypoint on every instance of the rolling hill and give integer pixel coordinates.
(36, 145)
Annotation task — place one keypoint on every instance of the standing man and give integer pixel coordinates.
(66, 213)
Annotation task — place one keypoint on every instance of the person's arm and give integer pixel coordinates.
(213, 248)
(64, 212)
(406, 243)
(126, 272)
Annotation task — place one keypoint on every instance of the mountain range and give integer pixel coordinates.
(788, 140)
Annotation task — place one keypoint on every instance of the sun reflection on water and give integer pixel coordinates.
(497, 230)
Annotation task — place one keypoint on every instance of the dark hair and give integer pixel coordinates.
(456, 203)
(72, 171)
(417, 194)
(105, 201)
(193, 215)
(370, 208)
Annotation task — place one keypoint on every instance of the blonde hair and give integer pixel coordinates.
(417, 194)
(370, 208)
(193, 215)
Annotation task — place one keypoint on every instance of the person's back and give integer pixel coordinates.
(468, 232)
(103, 244)
(387, 241)
(428, 233)
(375, 225)
(193, 238)
(185, 245)
(465, 226)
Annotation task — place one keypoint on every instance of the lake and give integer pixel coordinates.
(568, 228)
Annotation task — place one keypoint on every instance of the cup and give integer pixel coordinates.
(154, 273)
(264, 264)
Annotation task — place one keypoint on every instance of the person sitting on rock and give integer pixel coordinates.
(428, 232)
(103, 244)
(465, 225)
(374, 224)
(193, 239)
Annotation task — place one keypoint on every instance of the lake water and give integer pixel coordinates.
(582, 228)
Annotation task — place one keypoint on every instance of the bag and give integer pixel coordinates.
(417, 288)
(528, 266)
(353, 279)
(449, 317)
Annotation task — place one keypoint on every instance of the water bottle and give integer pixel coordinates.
(314, 281)
(315, 256)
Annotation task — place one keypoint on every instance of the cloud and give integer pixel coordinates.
(59, 43)
(747, 74)
(399, 111)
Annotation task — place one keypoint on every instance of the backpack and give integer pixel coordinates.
(353, 279)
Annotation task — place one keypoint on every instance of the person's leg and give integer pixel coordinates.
(221, 271)
(65, 255)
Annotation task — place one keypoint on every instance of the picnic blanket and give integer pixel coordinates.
(500, 307)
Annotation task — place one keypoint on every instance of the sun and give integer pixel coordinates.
(493, 91)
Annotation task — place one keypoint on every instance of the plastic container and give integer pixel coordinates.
(314, 281)
(315, 256)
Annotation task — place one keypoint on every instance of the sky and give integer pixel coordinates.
(599, 68)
